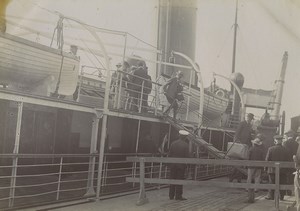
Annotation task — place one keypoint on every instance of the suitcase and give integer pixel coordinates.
(237, 150)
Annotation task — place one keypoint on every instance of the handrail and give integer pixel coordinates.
(275, 164)
(247, 163)
(12, 155)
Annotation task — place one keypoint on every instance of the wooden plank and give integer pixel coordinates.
(202, 183)
(213, 162)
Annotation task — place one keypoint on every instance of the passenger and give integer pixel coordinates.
(137, 82)
(116, 78)
(256, 152)
(291, 146)
(277, 153)
(243, 135)
(173, 92)
(244, 131)
(147, 90)
(178, 149)
(296, 159)
(130, 91)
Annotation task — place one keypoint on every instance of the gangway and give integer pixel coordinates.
(214, 152)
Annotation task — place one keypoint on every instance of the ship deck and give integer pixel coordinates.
(198, 198)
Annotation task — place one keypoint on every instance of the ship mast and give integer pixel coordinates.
(234, 40)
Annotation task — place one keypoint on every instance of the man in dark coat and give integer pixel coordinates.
(291, 146)
(296, 159)
(256, 152)
(277, 153)
(138, 80)
(242, 135)
(244, 131)
(178, 149)
(173, 92)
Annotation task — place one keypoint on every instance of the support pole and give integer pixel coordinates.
(16, 152)
(93, 151)
(142, 196)
(277, 185)
(101, 155)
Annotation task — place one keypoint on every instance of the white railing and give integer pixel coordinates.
(50, 178)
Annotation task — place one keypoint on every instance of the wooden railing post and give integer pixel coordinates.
(277, 193)
(142, 196)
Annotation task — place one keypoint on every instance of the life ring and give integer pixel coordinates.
(220, 93)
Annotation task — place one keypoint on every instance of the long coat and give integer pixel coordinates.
(243, 133)
(277, 153)
(291, 147)
(172, 88)
(179, 149)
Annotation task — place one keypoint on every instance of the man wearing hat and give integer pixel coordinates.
(291, 146)
(173, 92)
(277, 153)
(242, 135)
(178, 149)
(256, 152)
(244, 130)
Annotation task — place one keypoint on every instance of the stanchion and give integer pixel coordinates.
(142, 196)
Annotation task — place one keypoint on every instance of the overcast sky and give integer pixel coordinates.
(267, 28)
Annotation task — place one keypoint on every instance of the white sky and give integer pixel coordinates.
(267, 28)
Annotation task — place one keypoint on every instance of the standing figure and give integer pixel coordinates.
(291, 146)
(178, 149)
(244, 131)
(242, 135)
(146, 91)
(256, 152)
(277, 153)
(296, 159)
(138, 81)
(173, 92)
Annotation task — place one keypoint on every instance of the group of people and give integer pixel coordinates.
(136, 85)
(283, 150)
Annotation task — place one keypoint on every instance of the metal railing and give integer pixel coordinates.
(136, 97)
(31, 179)
(131, 96)
(192, 161)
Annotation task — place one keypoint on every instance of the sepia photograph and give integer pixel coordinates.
(150, 105)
